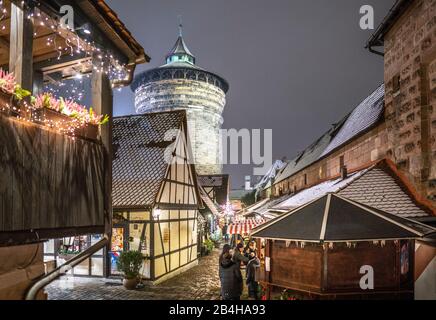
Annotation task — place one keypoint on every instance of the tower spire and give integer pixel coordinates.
(180, 52)
(180, 25)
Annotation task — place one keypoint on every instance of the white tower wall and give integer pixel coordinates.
(204, 103)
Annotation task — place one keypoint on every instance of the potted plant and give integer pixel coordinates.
(68, 116)
(7, 84)
(209, 244)
(129, 263)
(67, 254)
(91, 123)
(288, 295)
(10, 90)
(48, 110)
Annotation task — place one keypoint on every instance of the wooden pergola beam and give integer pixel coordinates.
(21, 46)
(102, 102)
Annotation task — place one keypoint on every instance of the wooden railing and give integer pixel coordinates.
(51, 185)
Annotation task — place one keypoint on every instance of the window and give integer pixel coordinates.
(305, 179)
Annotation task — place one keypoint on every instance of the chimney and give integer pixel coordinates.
(344, 172)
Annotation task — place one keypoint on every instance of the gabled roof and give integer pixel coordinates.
(305, 158)
(333, 218)
(365, 116)
(270, 175)
(377, 186)
(270, 204)
(399, 7)
(139, 164)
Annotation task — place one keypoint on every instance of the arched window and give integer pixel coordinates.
(179, 74)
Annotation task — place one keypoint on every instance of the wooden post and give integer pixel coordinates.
(268, 251)
(38, 82)
(152, 244)
(21, 47)
(102, 102)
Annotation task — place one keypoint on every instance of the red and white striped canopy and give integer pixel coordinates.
(244, 227)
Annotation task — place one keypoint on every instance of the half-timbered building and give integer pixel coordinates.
(155, 194)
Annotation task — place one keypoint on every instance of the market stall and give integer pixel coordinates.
(244, 227)
(334, 247)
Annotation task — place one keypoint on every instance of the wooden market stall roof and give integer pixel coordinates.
(333, 218)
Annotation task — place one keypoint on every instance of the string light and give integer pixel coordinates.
(105, 62)
(62, 115)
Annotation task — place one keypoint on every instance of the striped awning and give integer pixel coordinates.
(244, 227)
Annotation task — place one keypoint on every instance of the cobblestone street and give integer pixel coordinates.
(198, 283)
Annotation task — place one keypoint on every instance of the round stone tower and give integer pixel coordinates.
(181, 85)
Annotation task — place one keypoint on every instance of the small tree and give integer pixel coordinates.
(129, 263)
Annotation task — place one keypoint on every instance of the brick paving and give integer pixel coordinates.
(198, 283)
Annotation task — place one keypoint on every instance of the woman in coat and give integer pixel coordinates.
(230, 276)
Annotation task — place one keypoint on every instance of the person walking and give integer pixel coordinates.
(251, 250)
(238, 256)
(230, 276)
(225, 234)
(253, 286)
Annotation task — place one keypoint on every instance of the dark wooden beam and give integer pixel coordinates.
(102, 102)
(176, 206)
(64, 61)
(4, 43)
(38, 82)
(38, 235)
(21, 46)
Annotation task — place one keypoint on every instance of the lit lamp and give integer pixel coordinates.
(156, 213)
(85, 29)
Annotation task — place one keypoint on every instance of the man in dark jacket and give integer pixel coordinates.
(238, 256)
(225, 234)
(251, 282)
(230, 276)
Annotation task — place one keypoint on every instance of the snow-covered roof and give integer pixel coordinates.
(363, 117)
(271, 174)
(376, 186)
(318, 191)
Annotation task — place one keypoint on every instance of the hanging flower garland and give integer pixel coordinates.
(71, 117)
(69, 108)
(9, 86)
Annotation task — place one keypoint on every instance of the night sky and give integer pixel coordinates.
(294, 66)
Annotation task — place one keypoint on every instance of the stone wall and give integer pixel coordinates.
(360, 152)
(410, 78)
(204, 104)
